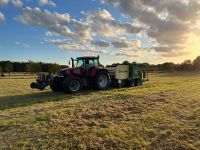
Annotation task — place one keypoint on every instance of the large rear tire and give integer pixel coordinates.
(102, 80)
(72, 84)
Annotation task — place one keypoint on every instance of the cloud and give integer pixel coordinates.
(102, 23)
(22, 44)
(126, 43)
(4, 2)
(129, 48)
(54, 22)
(125, 53)
(2, 17)
(175, 54)
(101, 43)
(17, 3)
(76, 46)
(168, 23)
(98, 23)
(47, 2)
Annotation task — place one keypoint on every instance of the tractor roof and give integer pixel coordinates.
(88, 57)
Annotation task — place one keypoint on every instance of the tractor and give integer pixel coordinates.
(88, 72)
(85, 72)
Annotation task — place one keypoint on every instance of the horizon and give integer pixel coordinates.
(100, 62)
(54, 31)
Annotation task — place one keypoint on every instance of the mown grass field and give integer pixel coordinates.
(164, 113)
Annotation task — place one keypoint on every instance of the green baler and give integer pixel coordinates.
(127, 75)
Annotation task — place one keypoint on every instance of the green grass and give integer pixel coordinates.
(164, 113)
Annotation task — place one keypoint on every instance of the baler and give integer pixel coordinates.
(127, 75)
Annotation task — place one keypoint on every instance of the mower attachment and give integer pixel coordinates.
(42, 81)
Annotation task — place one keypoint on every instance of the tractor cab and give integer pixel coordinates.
(86, 62)
(84, 66)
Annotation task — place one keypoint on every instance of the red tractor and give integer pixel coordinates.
(85, 72)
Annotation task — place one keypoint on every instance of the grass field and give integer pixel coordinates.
(164, 113)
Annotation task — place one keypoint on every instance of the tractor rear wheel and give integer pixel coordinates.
(72, 84)
(102, 80)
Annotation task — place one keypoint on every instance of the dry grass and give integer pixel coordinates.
(162, 114)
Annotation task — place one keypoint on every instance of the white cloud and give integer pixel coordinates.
(2, 17)
(125, 53)
(47, 2)
(54, 22)
(98, 23)
(17, 3)
(168, 22)
(78, 47)
(22, 44)
(102, 23)
(101, 43)
(126, 43)
(4, 2)
(159, 22)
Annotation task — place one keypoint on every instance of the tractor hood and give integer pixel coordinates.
(68, 71)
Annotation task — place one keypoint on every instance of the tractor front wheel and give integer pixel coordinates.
(72, 85)
(54, 85)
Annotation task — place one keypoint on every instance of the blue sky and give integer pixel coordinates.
(54, 31)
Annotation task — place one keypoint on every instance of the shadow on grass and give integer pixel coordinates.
(7, 102)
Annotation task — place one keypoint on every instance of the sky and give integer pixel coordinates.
(153, 31)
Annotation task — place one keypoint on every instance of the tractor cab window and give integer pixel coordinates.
(80, 63)
(89, 63)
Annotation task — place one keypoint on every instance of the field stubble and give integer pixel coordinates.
(164, 113)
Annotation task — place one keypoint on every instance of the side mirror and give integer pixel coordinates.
(69, 63)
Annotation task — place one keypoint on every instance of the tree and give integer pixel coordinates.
(1, 69)
(186, 66)
(53, 68)
(196, 63)
(8, 67)
(28, 67)
(126, 62)
(169, 66)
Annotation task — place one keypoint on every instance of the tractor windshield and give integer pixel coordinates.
(80, 63)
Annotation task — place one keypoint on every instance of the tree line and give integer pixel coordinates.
(34, 67)
(187, 65)
(31, 67)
